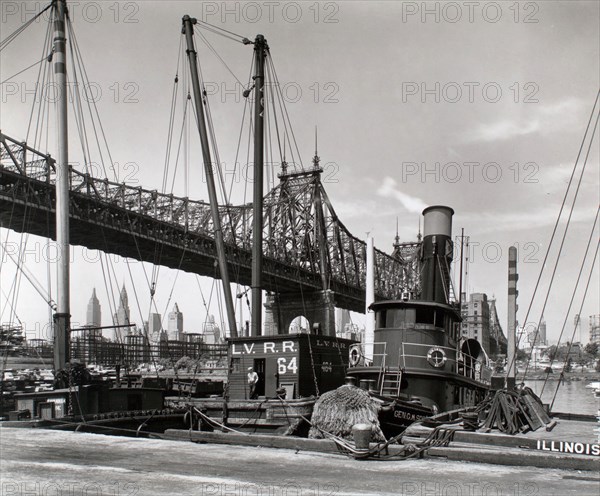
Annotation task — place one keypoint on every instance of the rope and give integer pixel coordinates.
(440, 436)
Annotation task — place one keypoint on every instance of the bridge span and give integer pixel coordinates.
(306, 247)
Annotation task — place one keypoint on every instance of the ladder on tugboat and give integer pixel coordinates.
(390, 383)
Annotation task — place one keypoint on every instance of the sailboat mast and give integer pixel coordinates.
(188, 28)
(260, 46)
(62, 315)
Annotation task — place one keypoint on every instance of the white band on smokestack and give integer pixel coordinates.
(370, 298)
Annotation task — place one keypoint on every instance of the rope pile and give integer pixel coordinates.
(337, 411)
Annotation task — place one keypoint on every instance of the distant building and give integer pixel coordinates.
(523, 342)
(175, 324)
(498, 341)
(542, 338)
(342, 319)
(93, 316)
(122, 317)
(531, 336)
(155, 327)
(476, 319)
(211, 332)
(595, 329)
(192, 337)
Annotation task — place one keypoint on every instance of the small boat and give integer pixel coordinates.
(596, 387)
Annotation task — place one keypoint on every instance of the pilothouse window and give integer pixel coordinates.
(402, 317)
(399, 317)
(426, 316)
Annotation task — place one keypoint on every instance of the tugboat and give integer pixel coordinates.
(417, 364)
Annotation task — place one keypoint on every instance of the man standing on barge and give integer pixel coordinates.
(252, 381)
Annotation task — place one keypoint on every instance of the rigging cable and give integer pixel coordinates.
(11, 37)
(216, 29)
(557, 221)
(22, 71)
(48, 74)
(572, 296)
(30, 277)
(575, 327)
(564, 233)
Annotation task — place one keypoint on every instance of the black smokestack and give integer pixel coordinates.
(436, 254)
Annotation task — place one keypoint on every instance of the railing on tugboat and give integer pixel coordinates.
(461, 363)
(464, 364)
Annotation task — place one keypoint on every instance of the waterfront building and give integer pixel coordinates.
(476, 320)
(595, 329)
(498, 341)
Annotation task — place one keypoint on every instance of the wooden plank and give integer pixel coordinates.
(536, 409)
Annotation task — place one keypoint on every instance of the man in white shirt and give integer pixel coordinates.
(252, 381)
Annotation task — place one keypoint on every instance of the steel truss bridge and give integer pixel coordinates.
(306, 247)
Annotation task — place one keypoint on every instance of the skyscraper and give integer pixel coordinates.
(212, 333)
(175, 325)
(122, 317)
(94, 313)
(154, 327)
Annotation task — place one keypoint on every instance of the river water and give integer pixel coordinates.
(572, 396)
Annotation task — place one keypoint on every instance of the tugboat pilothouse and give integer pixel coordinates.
(419, 363)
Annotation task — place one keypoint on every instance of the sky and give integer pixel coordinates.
(479, 107)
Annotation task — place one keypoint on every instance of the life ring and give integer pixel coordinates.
(354, 356)
(436, 357)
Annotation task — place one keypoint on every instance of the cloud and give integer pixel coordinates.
(543, 119)
(504, 130)
(411, 203)
(510, 221)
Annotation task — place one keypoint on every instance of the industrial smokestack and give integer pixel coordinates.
(511, 327)
(436, 254)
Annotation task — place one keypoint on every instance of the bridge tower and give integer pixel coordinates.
(318, 307)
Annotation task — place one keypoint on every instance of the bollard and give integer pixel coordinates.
(362, 435)
(350, 381)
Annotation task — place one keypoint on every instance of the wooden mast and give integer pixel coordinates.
(260, 47)
(62, 315)
(188, 29)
